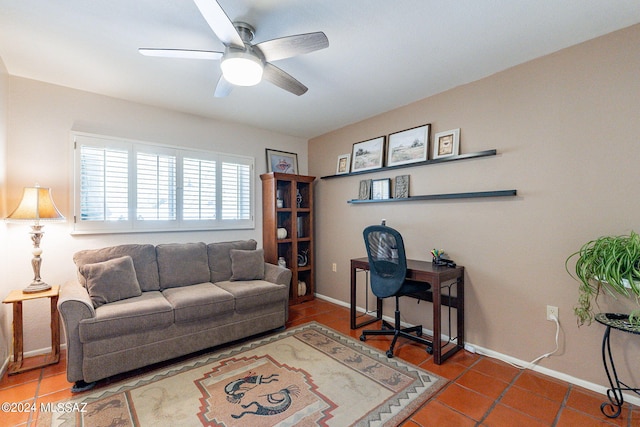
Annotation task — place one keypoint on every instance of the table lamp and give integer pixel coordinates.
(36, 206)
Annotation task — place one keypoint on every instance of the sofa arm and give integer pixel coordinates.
(276, 274)
(281, 276)
(74, 305)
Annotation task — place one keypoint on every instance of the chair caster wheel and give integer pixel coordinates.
(363, 337)
(389, 354)
(430, 350)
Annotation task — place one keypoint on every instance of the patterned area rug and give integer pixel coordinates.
(305, 376)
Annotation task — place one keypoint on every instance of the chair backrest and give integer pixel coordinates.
(387, 259)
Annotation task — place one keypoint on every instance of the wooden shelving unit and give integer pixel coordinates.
(296, 216)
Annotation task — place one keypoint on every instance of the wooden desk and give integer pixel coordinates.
(424, 271)
(16, 298)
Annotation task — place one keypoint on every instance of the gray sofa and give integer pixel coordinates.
(134, 305)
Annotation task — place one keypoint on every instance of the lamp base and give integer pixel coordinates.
(36, 287)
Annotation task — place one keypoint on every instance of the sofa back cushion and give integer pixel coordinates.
(220, 257)
(182, 264)
(144, 262)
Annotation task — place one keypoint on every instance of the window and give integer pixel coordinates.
(125, 186)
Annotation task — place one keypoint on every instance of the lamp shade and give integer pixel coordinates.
(36, 205)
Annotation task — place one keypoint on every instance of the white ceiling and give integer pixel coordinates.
(382, 53)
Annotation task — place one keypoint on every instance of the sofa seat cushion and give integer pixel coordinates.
(151, 310)
(182, 264)
(254, 293)
(200, 301)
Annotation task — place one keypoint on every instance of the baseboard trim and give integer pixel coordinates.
(633, 399)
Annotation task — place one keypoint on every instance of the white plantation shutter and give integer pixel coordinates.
(156, 187)
(104, 176)
(199, 189)
(236, 191)
(128, 186)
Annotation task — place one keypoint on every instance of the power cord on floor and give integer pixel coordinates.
(536, 360)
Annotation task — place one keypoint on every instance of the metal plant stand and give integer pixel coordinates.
(613, 408)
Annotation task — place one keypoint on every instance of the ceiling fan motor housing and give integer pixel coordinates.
(246, 31)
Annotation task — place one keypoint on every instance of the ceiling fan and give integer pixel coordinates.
(243, 63)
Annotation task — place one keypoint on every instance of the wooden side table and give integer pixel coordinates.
(16, 297)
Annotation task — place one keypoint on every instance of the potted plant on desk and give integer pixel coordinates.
(608, 264)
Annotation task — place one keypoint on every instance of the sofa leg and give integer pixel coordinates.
(82, 386)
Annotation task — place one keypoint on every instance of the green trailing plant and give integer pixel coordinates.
(608, 264)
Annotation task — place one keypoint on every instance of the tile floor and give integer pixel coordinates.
(480, 392)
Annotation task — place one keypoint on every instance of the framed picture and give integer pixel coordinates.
(344, 161)
(282, 161)
(446, 144)
(367, 154)
(380, 189)
(401, 190)
(408, 146)
(364, 193)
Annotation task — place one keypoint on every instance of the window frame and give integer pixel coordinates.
(132, 224)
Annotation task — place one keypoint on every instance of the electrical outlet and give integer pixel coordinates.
(334, 267)
(552, 311)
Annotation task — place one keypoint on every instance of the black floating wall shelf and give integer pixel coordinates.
(478, 154)
(447, 196)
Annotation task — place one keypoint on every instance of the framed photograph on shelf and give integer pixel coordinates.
(408, 146)
(344, 162)
(282, 161)
(364, 193)
(381, 189)
(446, 144)
(367, 155)
(401, 190)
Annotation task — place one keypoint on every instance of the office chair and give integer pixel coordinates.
(388, 270)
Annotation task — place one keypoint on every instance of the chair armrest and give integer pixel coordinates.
(74, 305)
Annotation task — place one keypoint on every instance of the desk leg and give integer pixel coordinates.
(460, 311)
(438, 356)
(437, 322)
(353, 298)
(353, 316)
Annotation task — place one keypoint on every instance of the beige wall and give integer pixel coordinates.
(566, 128)
(39, 120)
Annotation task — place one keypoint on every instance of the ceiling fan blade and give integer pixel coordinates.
(223, 88)
(283, 80)
(286, 47)
(220, 23)
(180, 53)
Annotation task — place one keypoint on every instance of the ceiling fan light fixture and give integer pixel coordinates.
(242, 68)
